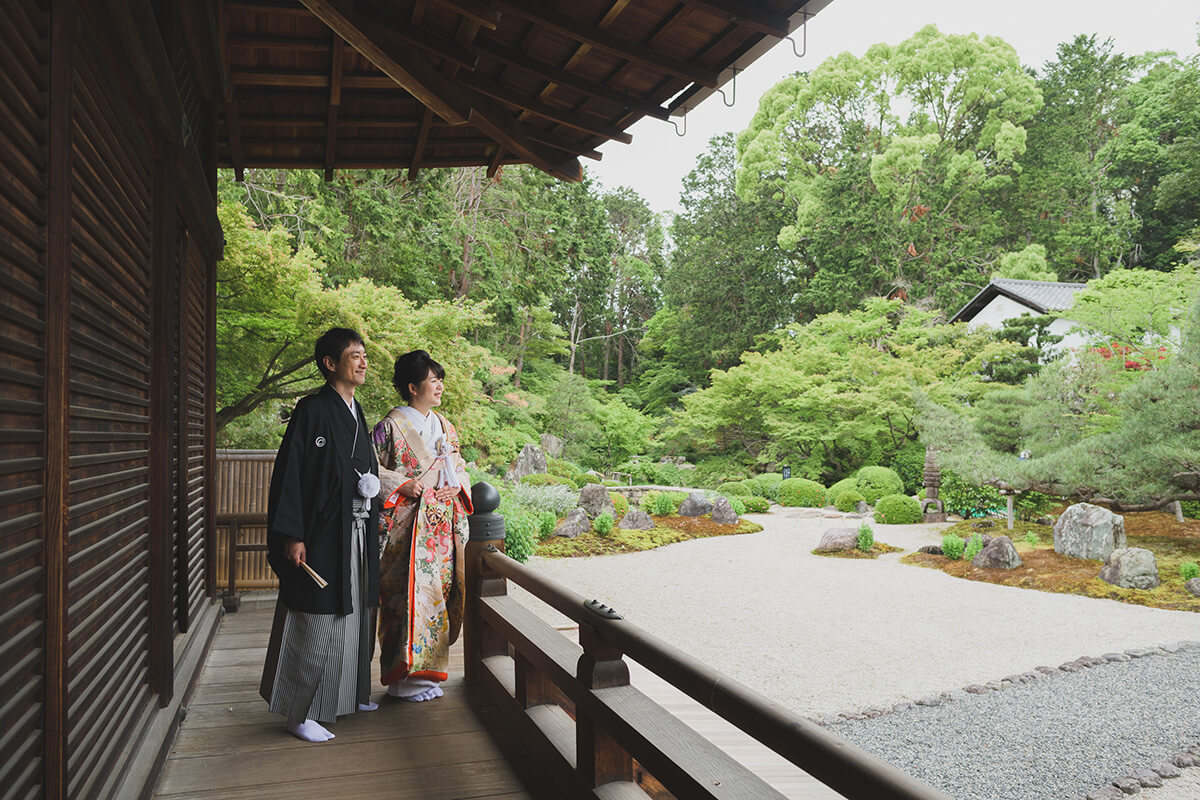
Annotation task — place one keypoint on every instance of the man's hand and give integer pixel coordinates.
(295, 552)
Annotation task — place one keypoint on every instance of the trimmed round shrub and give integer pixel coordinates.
(564, 469)
(897, 509)
(754, 505)
(801, 492)
(611, 483)
(909, 464)
(545, 479)
(765, 485)
(621, 503)
(739, 488)
(876, 482)
(845, 484)
(847, 501)
(953, 546)
(603, 524)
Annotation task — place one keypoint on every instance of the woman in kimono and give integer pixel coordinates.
(424, 525)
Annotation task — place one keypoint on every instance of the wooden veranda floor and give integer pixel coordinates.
(230, 747)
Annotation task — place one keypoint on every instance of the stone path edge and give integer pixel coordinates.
(1134, 782)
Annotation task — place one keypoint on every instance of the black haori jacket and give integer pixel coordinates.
(312, 493)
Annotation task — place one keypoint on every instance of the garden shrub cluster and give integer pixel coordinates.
(897, 509)
(546, 479)
(651, 472)
(754, 505)
(844, 485)
(1032, 539)
(546, 524)
(1189, 570)
(738, 505)
(801, 492)
(765, 485)
(739, 488)
(662, 504)
(953, 546)
(557, 499)
(522, 524)
(973, 547)
(966, 499)
(876, 482)
(866, 538)
(568, 471)
(909, 464)
(603, 524)
(620, 503)
(848, 500)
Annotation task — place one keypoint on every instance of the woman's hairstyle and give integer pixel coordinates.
(414, 367)
(333, 343)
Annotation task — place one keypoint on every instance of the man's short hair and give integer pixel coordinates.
(333, 343)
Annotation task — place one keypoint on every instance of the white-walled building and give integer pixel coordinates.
(1007, 298)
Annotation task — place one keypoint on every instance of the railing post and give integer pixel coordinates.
(600, 758)
(486, 531)
(230, 601)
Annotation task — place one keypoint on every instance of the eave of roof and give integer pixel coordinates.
(1010, 288)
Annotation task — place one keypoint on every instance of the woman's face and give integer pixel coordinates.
(427, 393)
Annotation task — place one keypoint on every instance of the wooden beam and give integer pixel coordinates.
(569, 79)
(446, 99)
(59, 187)
(542, 14)
(385, 49)
(746, 15)
(258, 41)
(422, 137)
(475, 10)
(232, 128)
(588, 123)
(335, 102)
(494, 164)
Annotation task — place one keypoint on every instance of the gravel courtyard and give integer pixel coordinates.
(826, 635)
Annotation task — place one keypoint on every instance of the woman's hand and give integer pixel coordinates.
(446, 493)
(412, 489)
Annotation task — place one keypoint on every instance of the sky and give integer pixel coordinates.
(658, 159)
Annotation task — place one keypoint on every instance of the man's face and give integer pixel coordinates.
(351, 368)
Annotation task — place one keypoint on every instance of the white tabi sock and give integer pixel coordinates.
(368, 706)
(309, 730)
(409, 687)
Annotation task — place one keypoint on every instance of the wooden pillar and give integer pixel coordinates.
(1009, 497)
(210, 425)
(163, 278)
(63, 21)
(600, 758)
(487, 531)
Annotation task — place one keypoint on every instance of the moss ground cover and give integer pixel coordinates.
(667, 530)
(877, 549)
(1172, 543)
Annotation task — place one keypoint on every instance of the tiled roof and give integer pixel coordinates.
(1041, 296)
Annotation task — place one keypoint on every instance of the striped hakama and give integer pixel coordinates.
(319, 665)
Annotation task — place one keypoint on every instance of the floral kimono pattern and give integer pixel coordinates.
(421, 570)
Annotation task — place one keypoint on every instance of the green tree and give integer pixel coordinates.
(893, 165)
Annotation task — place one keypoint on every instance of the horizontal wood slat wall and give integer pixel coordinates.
(23, 213)
(243, 478)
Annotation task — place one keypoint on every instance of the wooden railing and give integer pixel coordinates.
(233, 523)
(575, 712)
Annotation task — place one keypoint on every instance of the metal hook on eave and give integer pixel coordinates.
(804, 35)
(678, 132)
(730, 101)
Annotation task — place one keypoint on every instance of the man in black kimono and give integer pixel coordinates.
(323, 515)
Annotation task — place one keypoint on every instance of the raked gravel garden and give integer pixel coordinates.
(935, 674)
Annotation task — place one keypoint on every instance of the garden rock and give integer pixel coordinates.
(861, 507)
(594, 499)
(835, 539)
(1089, 531)
(636, 520)
(983, 525)
(1193, 586)
(1147, 778)
(999, 553)
(1132, 568)
(696, 505)
(1167, 770)
(1047, 520)
(531, 461)
(552, 445)
(931, 549)
(577, 522)
(722, 512)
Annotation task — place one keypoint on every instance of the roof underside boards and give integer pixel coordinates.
(406, 84)
(1041, 296)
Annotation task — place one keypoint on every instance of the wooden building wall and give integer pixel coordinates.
(108, 243)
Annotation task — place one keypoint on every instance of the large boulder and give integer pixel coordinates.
(722, 511)
(1132, 568)
(636, 520)
(531, 461)
(695, 505)
(552, 445)
(1193, 586)
(999, 553)
(1088, 531)
(577, 522)
(835, 539)
(594, 499)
